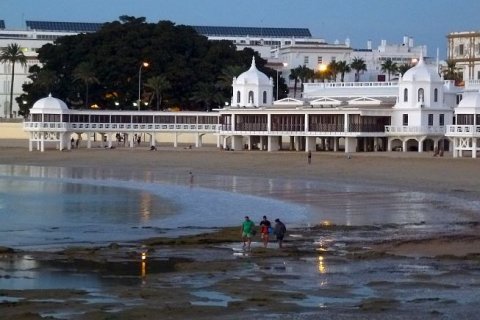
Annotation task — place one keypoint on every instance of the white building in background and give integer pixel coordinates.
(30, 40)
(315, 54)
(464, 49)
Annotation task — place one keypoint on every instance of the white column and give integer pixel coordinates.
(109, 140)
(89, 140)
(153, 140)
(237, 142)
(404, 145)
(474, 147)
(350, 145)
(335, 144)
(310, 144)
(219, 137)
(30, 142)
(198, 140)
(42, 142)
(273, 144)
(420, 144)
(455, 148)
(175, 140)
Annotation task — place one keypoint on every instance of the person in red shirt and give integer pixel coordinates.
(265, 227)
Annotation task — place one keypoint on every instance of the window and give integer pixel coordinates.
(478, 75)
(459, 98)
(238, 96)
(250, 97)
(334, 59)
(430, 119)
(441, 119)
(305, 60)
(460, 49)
(265, 97)
(405, 119)
(319, 60)
(435, 95)
(405, 95)
(420, 95)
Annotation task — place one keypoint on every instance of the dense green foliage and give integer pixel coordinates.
(103, 68)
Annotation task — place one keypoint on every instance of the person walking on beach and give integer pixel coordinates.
(265, 227)
(248, 229)
(279, 232)
(309, 157)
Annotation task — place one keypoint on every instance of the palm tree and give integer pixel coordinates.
(85, 72)
(333, 70)
(389, 67)
(451, 71)
(343, 67)
(206, 94)
(295, 76)
(404, 68)
(158, 84)
(358, 64)
(12, 54)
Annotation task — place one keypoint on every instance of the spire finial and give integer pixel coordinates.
(253, 61)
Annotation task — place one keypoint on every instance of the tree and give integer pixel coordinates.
(358, 64)
(207, 96)
(389, 67)
(12, 54)
(451, 71)
(403, 68)
(84, 72)
(158, 84)
(333, 70)
(294, 75)
(343, 67)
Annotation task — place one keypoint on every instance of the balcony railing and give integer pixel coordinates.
(405, 130)
(114, 127)
(463, 130)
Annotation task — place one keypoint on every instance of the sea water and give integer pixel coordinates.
(51, 207)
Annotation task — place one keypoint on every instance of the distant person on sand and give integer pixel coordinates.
(265, 227)
(248, 230)
(190, 174)
(309, 157)
(279, 232)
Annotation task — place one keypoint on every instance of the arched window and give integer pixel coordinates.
(238, 96)
(435, 95)
(420, 95)
(250, 97)
(265, 97)
(405, 95)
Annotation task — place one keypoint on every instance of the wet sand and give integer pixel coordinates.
(254, 283)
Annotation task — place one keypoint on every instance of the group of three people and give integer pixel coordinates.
(248, 231)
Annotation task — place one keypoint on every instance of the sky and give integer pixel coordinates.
(426, 21)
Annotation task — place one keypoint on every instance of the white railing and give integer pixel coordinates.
(404, 130)
(463, 130)
(318, 85)
(45, 126)
(114, 127)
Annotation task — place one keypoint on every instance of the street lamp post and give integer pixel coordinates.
(143, 64)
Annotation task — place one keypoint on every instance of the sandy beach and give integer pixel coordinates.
(405, 171)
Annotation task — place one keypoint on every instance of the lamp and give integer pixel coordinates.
(143, 64)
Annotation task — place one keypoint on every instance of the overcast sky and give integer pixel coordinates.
(427, 21)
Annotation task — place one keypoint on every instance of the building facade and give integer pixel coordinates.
(464, 49)
(410, 115)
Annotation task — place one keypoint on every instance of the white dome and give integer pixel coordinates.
(49, 105)
(470, 100)
(253, 76)
(421, 72)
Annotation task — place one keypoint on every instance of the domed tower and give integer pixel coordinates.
(421, 87)
(421, 114)
(46, 123)
(252, 88)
